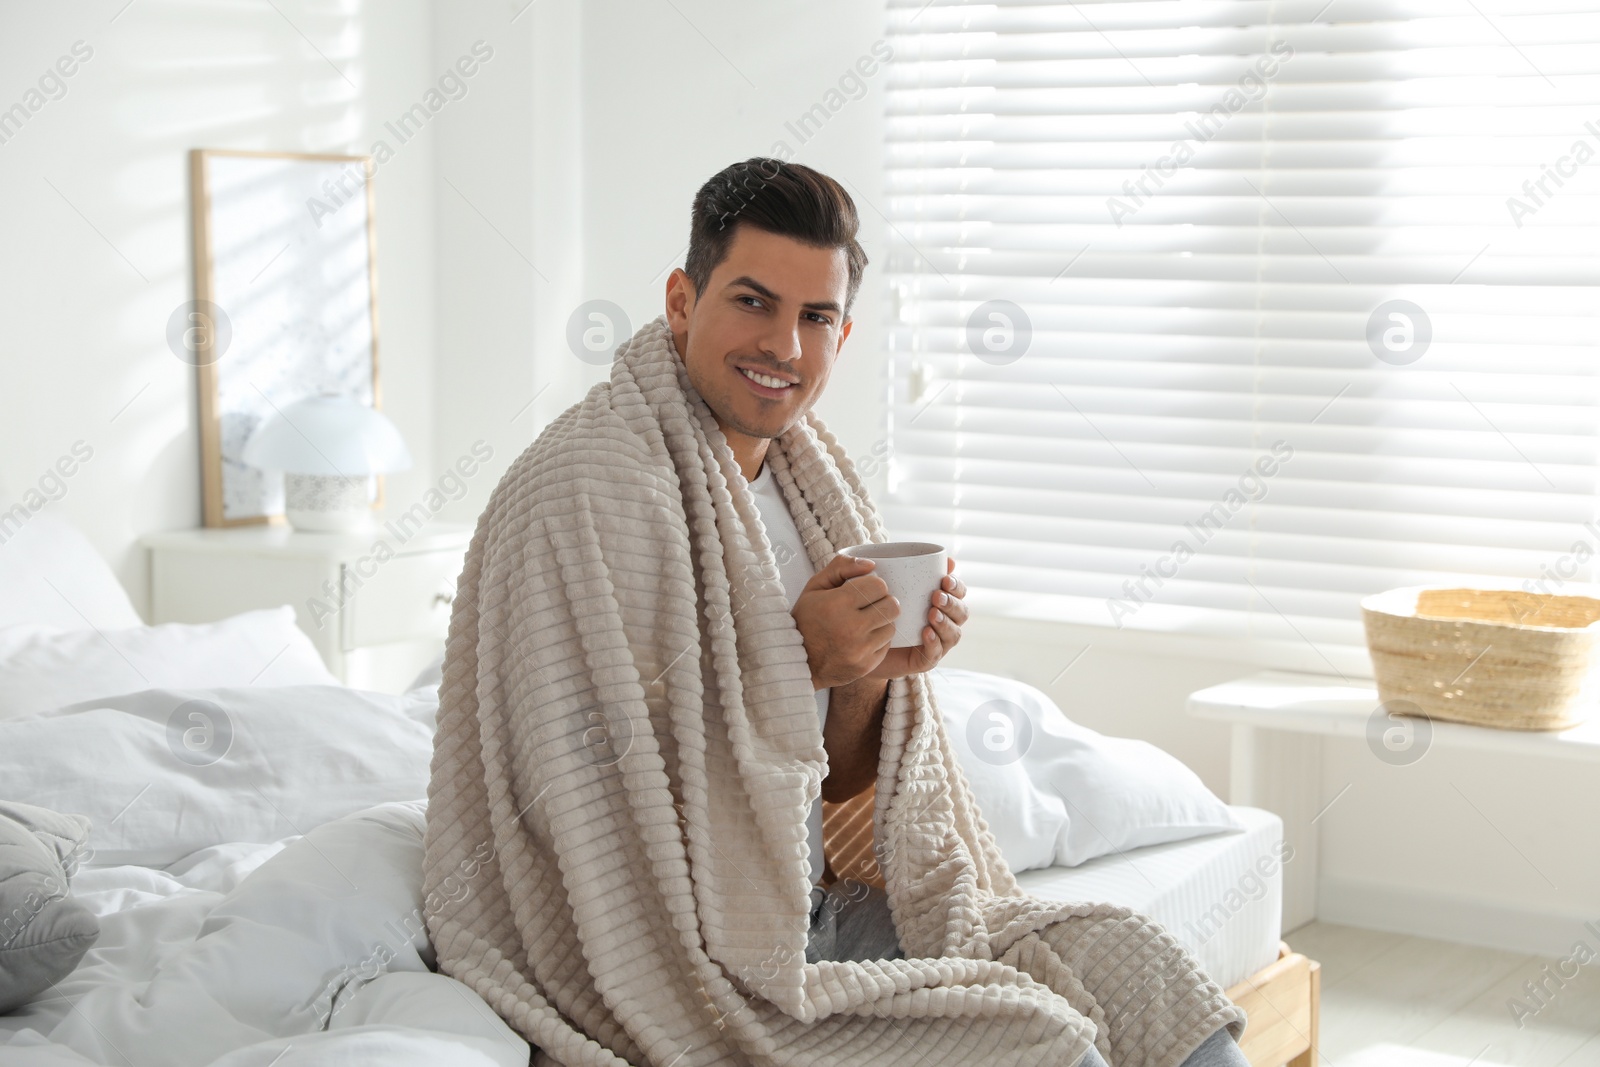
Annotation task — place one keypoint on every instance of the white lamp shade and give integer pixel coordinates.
(327, 435)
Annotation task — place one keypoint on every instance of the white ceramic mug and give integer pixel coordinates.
(912, 570)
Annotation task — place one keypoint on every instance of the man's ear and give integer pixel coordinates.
(844, 332)
(681, 298)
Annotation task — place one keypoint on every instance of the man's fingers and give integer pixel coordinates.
(877, 639)
(839, 570)
(875, 652)
(881, 627)
(953, 607)
(867, 590)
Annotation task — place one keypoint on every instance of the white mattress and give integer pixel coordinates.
(1221, 895)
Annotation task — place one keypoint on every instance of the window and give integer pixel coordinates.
(1216, 317)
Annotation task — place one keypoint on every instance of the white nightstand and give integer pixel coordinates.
(376, 604)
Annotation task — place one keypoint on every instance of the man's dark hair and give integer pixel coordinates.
(788, 199)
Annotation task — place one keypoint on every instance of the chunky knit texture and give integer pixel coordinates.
(627, 749)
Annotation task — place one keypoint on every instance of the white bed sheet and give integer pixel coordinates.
(1221, 895)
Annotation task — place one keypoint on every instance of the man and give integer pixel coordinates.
(759, 314)
(660, 665)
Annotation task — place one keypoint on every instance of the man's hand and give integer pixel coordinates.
(946, 612)
(846, 619)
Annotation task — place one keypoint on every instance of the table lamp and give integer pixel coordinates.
(328, 447)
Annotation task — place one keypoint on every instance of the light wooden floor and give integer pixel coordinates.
(1389, 1000)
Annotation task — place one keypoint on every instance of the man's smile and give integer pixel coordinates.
(764, 384)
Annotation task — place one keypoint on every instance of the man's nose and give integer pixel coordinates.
(782, 342)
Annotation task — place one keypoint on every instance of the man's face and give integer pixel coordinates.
(773, 307)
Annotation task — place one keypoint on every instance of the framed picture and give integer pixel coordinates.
(285, 306)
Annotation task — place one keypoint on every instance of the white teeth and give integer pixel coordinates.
(765, 379)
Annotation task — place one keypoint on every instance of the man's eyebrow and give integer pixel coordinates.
(748, 282)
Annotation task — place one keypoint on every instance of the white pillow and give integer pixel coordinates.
(51, 575)
(44, 930)
(430, 677)
(1058, 794)
(44, 667)
(165, 772)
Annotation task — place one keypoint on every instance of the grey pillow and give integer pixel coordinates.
(44, 933)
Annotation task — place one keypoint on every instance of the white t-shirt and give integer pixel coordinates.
(794, 571)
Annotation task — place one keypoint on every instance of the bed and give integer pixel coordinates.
(254, 859)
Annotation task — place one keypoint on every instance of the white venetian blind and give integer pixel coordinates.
(1194, 213)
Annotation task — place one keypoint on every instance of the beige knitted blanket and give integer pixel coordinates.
(628, 747)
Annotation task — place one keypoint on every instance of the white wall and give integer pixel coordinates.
(484, 375)
(510, 255)
(95, 250)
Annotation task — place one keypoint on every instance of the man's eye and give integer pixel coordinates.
(754, 301)
(817, 316)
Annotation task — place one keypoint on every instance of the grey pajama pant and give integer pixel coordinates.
(850, 920)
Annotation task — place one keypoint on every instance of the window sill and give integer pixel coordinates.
(1021, 619)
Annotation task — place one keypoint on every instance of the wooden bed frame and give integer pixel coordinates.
(1284, 1001)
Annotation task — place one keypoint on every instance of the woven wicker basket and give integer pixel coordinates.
(1491, 657)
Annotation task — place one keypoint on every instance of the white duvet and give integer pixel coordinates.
(280, 944)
